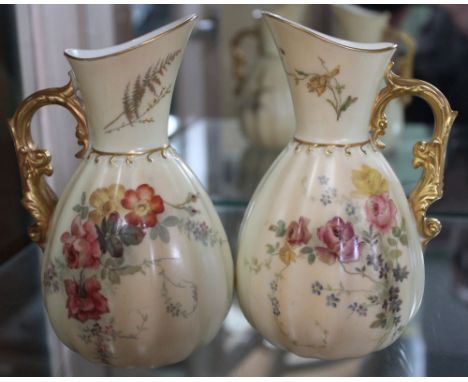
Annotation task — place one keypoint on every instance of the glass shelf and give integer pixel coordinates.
(230, 167)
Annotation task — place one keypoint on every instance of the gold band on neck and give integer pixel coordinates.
(329, 147)
(129, 154)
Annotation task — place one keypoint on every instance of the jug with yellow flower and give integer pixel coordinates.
(137, 270)
(330, 259)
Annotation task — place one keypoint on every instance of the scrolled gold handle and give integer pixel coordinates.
(238, 56)
(430, 156)
(38, 198)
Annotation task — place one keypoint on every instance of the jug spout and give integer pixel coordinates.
(127, 89)
(333, 82)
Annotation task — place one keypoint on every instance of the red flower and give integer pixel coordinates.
(81, 245)
(84, 301)
(297, 232)
(340, 240)
(144, 205)
(381, 212)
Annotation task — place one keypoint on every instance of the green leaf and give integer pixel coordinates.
(83, 198)
(270, 249)
(307, 250)
(300, 72)
(377, 324)
(129, 270)
(349, 101)
(281, 228)
(114, 277)
(154, 233)
(311, 258)
(404, 239)
(331, 103)
(118, 261)
(396, 231)
(131, 235)
(394, 254)
(170, 221)
(77, 208)
(113, 262)
(164, 234)
(109, 262)
(392, 242)
(84, 213)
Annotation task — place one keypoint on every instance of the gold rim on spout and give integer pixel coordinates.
(156, 37)
(330, 39)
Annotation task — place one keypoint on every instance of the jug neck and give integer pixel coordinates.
(333, 82)
(127, 89)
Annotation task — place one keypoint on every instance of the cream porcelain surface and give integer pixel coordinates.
(315, 121)
(289, 190)
(355, 23)
(330, 262)
(137, 269)
(103, 83)
(165, 339)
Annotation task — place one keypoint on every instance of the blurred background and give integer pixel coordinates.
(231, 116)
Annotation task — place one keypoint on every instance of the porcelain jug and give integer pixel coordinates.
(263, 101)
(137, 269)
(355, 23)
(330, 259)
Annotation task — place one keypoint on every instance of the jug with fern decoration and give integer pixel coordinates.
(137, 270)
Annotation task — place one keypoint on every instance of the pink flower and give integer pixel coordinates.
(84, 301)
(297, 232)
(81, 245)
(381, 212)
(340, 242)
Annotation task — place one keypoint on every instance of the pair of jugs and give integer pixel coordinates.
(137, 269)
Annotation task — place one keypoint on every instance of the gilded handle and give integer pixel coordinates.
(430, 156)
(238, 56)
(38, 198)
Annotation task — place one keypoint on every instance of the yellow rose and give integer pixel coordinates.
(106, 200)
(369, 181)
(318, 84)
(286, 254)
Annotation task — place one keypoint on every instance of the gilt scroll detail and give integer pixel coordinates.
(38, 198)
(430, 156)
